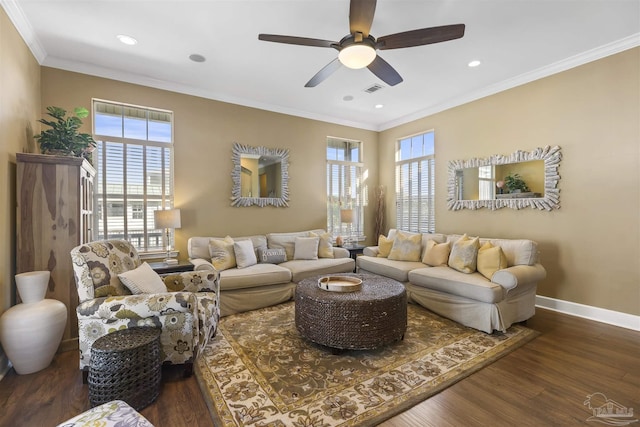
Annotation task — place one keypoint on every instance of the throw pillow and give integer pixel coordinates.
(271, 256)
(306, 248)
(143, 280)
(222, 255)
(245, 254)
(490, 259)
(325, 248)
(384, 246)
(436, 254)
(406, 247)
(464, 254)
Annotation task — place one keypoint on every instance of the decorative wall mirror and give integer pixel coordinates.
(260, 176)
(479, 182)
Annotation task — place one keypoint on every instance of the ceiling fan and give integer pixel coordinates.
(358, 48)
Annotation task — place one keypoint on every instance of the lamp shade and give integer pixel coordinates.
(357, 56)
(346, 216)
(169, 218)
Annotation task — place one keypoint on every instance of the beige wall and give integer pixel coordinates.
(591, 245)
(204, 133)
(19, 110)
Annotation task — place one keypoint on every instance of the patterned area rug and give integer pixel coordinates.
(259, 371)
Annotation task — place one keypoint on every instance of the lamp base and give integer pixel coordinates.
(170, 261)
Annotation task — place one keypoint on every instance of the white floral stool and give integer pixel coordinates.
(110, 414)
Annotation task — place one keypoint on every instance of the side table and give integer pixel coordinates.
(161, 268)
(125, 365)
(354, 251)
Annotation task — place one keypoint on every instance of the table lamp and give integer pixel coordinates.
(346, 217)
(167, 219)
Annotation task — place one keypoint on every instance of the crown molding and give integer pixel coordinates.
(16, 15)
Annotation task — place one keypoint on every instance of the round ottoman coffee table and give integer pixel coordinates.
(365, 319)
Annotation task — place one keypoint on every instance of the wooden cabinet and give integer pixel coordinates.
(55, 214)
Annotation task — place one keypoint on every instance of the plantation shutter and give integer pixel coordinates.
(415, 189)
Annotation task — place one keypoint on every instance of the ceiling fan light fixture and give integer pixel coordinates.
(357, 56)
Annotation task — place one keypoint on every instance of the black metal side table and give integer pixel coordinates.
(354, 251)
(125, 365)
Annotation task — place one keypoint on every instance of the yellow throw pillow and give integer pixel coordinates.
(464, 254)
(406, 247)
(384, 246)
(222, 254)
(436, 254)
(325, 248)
(490, 259)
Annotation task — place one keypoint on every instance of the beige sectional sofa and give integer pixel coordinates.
(268, 283)
(487, 304)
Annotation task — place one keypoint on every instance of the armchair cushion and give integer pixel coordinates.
(143, 280)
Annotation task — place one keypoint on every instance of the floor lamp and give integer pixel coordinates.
(167, 219)
(346, 217)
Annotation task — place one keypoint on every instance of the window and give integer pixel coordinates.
(345, 187)
(134, 163)
(486, 182)
(415, 188)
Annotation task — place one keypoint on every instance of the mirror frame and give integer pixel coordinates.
(236, 199)
(551, 199)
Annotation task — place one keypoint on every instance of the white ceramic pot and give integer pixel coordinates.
(31, 332)
(32, 286)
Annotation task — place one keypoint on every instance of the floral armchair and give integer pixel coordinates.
(187, 313)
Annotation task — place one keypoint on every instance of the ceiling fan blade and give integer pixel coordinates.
(303, 41)
(321, 75)
(361, 16)
(384, 71)
(420, 37)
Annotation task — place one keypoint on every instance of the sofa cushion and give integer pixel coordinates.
(254, 276)
(301, 269)
(222, 253)
(490, 259)
(306, 248)
(245, 253)
(436, 254)
(406, 247)
(464, 254)
(396, 270)
(468, 285)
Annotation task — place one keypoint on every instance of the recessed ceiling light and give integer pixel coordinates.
(128, 40)
(379, 105)
(197, 58)
(348, 98)
(474, 63)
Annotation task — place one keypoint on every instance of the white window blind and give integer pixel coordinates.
(345, 187)
(415, 183)
(134, 163)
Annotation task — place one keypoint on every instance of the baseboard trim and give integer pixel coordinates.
(616, 318)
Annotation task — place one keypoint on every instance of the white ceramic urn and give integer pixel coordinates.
(30, 332)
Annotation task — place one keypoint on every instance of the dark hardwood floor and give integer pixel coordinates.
(543, 383)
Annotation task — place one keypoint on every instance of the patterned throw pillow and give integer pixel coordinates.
(143, 280)
(406, 247)
(306, 248)
(271, 256)
(384, 246)
(464, 254)
(222, 254)
(245, 254)
(490, 259)
(436, 254)
(325, 248)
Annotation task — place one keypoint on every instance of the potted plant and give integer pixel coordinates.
(515, 184)
(63, 138)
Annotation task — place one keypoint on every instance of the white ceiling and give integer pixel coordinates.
(516, 40)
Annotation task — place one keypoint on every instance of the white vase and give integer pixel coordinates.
(30, 332)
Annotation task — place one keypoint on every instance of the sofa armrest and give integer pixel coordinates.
(371, 251)
(201, 264)
(339, 252)
(510, 277)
